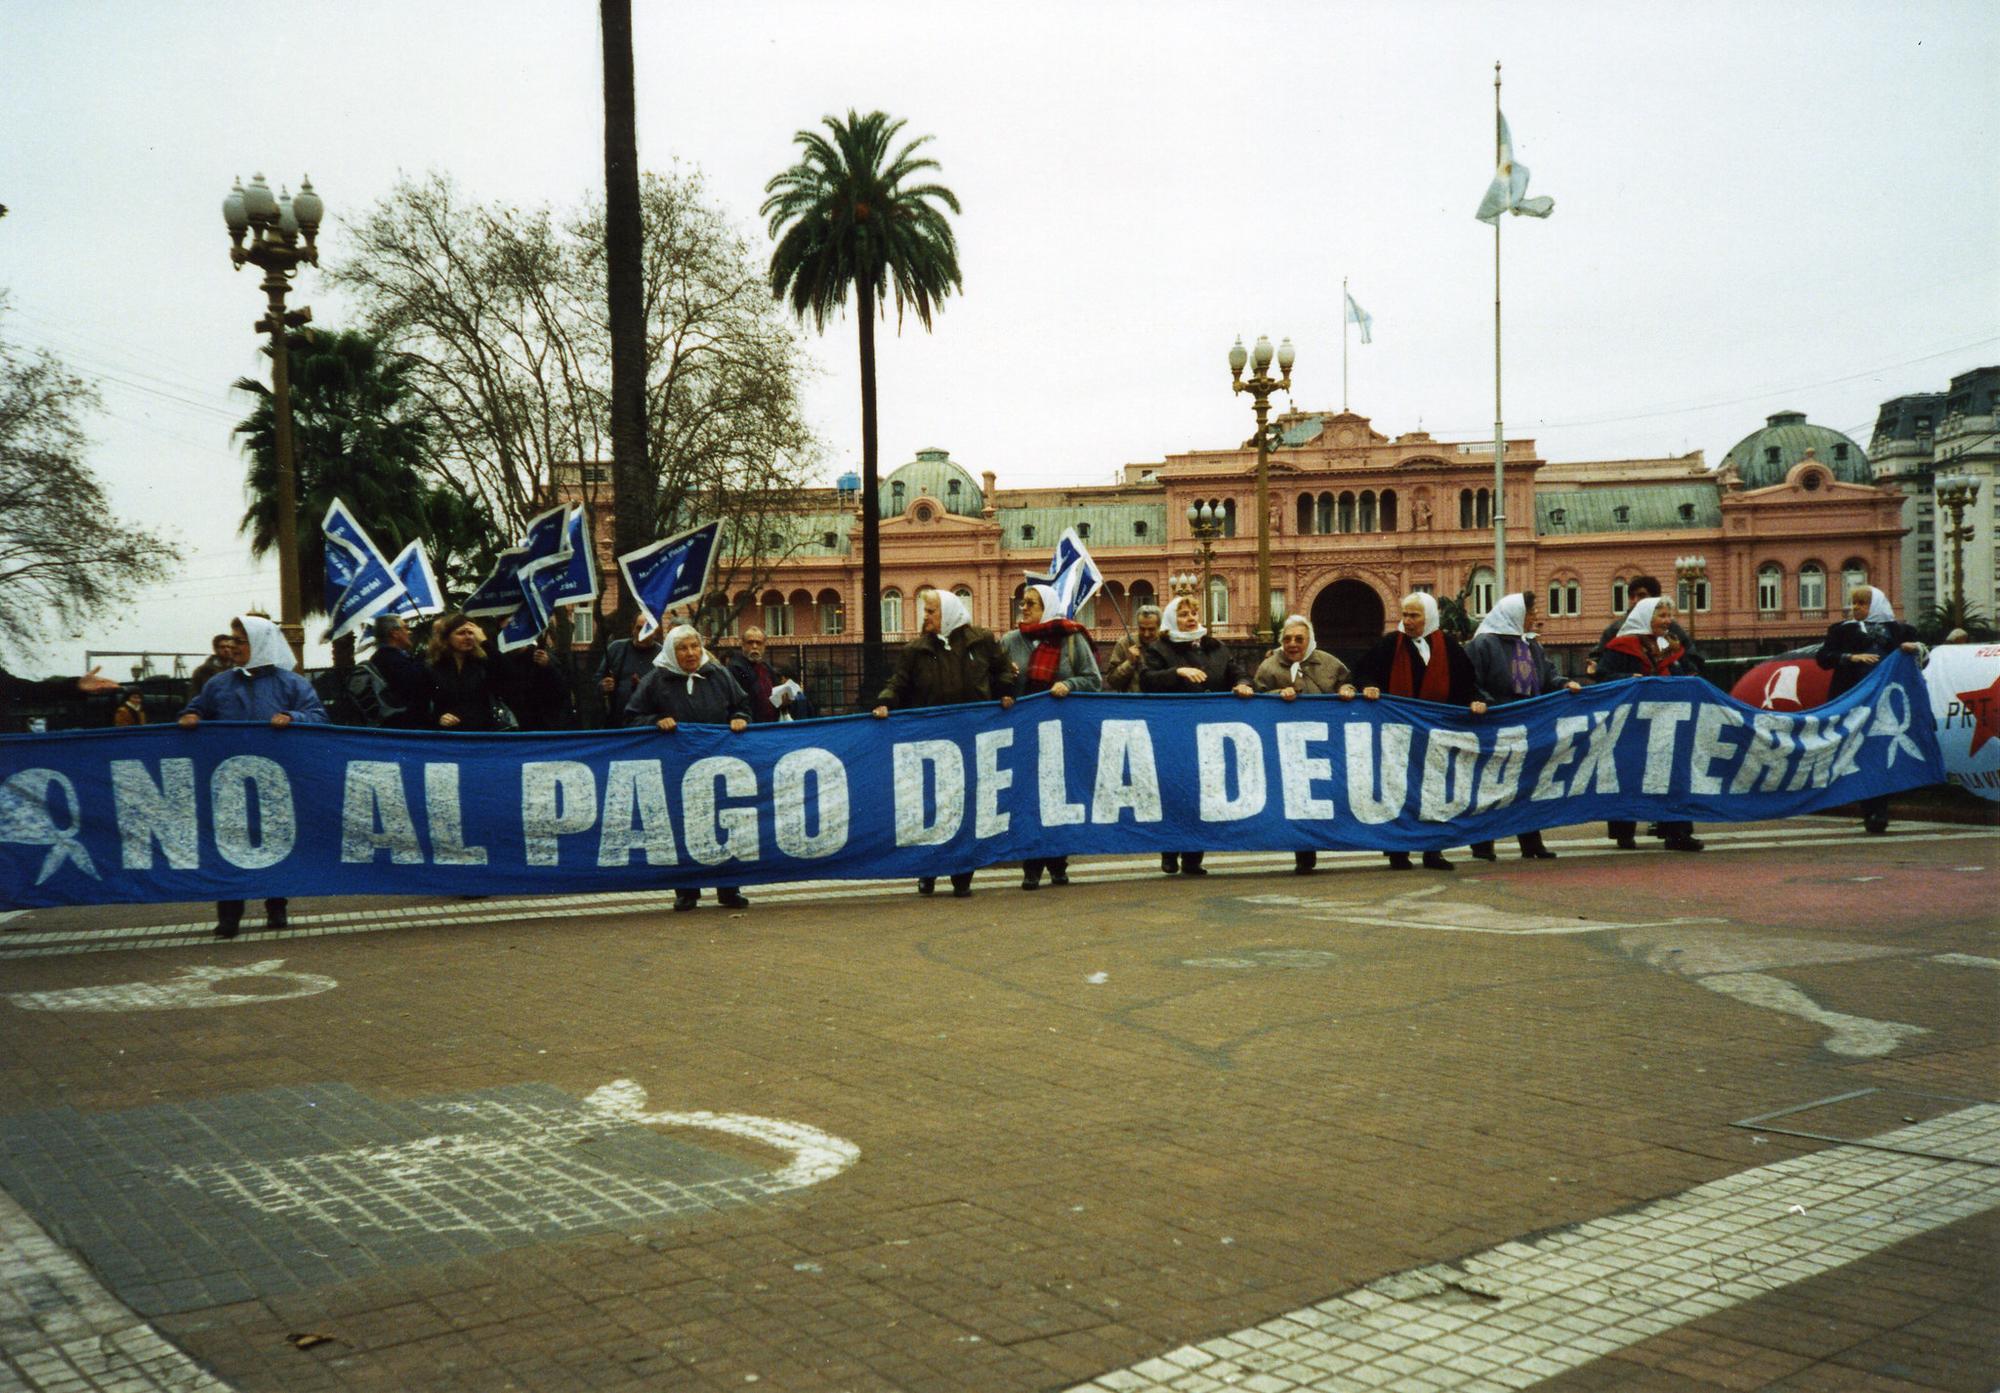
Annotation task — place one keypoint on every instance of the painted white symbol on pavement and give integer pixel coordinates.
(531, 1171)
(1268, 957)
(1965, 960)
(1417, 909)
(193, 988)
(1855, 1036)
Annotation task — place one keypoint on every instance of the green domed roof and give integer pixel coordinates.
(932, 472)
(1764, 457)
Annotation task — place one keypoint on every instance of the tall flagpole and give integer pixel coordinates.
(1343, 345)
(1499, 434)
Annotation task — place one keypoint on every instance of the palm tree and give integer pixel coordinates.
(848, 214)
(635, 486)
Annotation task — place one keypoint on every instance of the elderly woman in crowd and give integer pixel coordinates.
(1187, 658)
(1130, 656)
(951, 662)
(1049, 654)
(465, 691)
(263, 688)
(1508, 664)
(1417, 659)
(1299, 666)
(1645, 646)
(1853, 647)
(687, 686)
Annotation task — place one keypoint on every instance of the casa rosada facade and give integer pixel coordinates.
(1357, 521)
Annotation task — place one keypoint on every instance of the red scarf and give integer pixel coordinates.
(1050, 638)
(1435, 685)
(1653, 660)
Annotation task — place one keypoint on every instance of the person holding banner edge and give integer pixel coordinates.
(687, 686)
(1050, 653)
(463, 693)
(1853, 647)
(1297, 667)
(951, 662)
(1645, 646)
(1187, 658)
(1509, 665)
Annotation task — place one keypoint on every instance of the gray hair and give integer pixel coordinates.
(1146, 611)
(387, 624)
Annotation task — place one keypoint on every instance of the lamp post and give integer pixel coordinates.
(1956, 493)
(1260, 386)
(281, 233)
(1205, 521)
(1691, 571)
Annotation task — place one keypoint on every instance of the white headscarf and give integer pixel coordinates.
(1174, 629)
(1508, 619)
(1312, 642)
(267, 644)
(1640, 621)
(1051, 602)
(953, 614)
(1429, 605)
(672, 663)
(1881, 614)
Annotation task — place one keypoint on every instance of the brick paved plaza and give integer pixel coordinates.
(1619, 1121)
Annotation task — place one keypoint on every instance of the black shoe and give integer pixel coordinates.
(1685, 844)
(961, 886)
(1434, 861)
(1626, 843)
(1304, 861)
(731, 899)
(274, 915)
(1537, 852)
(1058, 876)
(1483, 851)
(926, 884)
(228, 918)
(1877, 824)
(225, 930)
(686, 899)
(1031, 880)
(1170, 861)
(1399, 861)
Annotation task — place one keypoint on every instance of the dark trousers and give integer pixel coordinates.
(1672, 831)
(229, 913)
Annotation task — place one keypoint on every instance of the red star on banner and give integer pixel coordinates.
(1984, 704)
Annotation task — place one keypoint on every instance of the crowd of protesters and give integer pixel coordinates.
(670, 680)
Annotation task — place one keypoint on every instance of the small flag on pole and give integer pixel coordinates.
(1510, 183)
(501, 593)
(1073, 574)
(1357, 315)
(670, 572)
(421, 595)
(565, 576)
(360, 583)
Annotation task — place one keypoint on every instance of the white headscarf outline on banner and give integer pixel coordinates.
(1073, 574)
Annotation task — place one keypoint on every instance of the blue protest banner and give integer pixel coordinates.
(503, 592)
(567, 576)
(243, 811)
(421, 595)
(671, 572)
(360, 582)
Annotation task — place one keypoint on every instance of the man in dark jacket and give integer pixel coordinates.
(951, 662)
(755, 676)
(1853, 647)
(393, 681)
(532, 685)
(626, 663)
(222, 657)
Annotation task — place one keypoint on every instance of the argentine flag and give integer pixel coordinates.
(1510, 183)
(1357, 315)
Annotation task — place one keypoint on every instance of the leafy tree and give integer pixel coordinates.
(359, 435)
(63, 554)
(851, 216)
(1940, 620)
(1455, 614)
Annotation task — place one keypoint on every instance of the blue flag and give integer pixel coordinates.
(501, 593)
(1073, 574)
(421, 595)
(567, 576)
(671, 572)
(360, 582)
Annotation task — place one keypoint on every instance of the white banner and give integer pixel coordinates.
(1964, 680)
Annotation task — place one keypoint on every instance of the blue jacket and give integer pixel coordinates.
(257, 694)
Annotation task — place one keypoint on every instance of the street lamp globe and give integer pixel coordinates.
(1287, 355)
(1238, 356)
(288, 219)
(306, 206)
(1261, 359)
(258, 202)
(233, 211)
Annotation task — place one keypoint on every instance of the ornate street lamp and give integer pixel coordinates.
(1260, 386)
(1956, 493)
(1691, 570)
(1205, 521)
(281, 233)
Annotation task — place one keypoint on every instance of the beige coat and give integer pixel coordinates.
(1321, 673)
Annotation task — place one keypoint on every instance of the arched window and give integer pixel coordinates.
(1770, 588)
(1347, 510)
(1305, 514)
(1365, 518)
(1014, 606)
(1388, 517)
(777, 615)
(1218, 601)
(1482, 508)
(1479, 594)
(896, 495)
(804, 613)
(892, 611)
(1574, 593)
(1852, 576)
(1465, 507)
(1620, 602)
(832, 618)
(1326, 512)
(1142, 594)
(1812, 588)
(1228, 506)
(1555, 599)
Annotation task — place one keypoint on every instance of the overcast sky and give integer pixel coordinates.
(1759, 207)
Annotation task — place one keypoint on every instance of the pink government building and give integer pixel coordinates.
(1787, 522)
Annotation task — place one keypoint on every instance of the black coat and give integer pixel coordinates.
(1224, 672)
(717, 698)
(1492, 659)
(931, 673)
(746, 674)
(409, 689)
(1848, 639)
(535, 692)
(627, 666)
(1378, 662)
(469, 693)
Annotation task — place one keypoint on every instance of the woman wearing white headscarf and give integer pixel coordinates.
(1645, 646)
(1186, 658)
(1853, 647)
(1417, 659)
(687, 686)
(1049, 654)
(1509, 665)
(951, 662)
(263, 688)
(1297, 667)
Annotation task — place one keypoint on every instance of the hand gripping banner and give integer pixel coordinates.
(240, 811)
